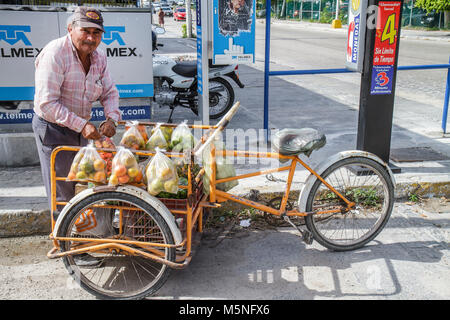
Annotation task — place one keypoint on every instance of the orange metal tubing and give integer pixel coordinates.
(52, 255)
(253, 174)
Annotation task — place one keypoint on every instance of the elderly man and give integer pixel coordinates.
(70, 75)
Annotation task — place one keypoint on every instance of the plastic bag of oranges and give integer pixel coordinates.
(141, 128)
(132, 138)
(106, 143)
(161, 174)
(125, 169)
(88, 166)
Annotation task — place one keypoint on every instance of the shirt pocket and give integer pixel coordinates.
(94, 90)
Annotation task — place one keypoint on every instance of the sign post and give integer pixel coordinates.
(378, 78)
(202, 60)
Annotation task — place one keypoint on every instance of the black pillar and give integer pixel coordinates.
(378, 77)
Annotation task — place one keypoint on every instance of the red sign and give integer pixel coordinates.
(385, 46)
(386, 33)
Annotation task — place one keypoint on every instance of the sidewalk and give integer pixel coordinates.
(23, 203)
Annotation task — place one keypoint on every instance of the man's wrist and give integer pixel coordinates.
(114, 122)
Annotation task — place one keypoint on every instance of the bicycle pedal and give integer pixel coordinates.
(307, 237)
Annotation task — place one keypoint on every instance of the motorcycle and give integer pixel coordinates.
(175, 83)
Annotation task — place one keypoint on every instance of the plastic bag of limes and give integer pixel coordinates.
(157, 140)
(88, 166)
(161, 174)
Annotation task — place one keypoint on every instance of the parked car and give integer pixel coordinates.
(179, 14)
(181, 2)
(156, 6)
(167, 10)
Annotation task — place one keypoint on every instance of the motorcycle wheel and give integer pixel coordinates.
(220, 102)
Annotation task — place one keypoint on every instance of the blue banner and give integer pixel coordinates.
(125, 91)
(234, 31)
(97, 114)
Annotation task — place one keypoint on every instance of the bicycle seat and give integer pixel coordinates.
(290, 142)
(186, 68)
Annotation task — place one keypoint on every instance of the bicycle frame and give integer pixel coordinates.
(217, 195)
(193, 217)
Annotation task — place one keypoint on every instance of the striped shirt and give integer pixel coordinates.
(64, 93)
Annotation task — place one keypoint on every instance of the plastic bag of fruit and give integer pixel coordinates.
(224, 168)
(141, 128)
(132, 138)
(125, 169)
(88, 166)
(161, 174)
(157, 139)
(106, 143)
(167, 131)
(182, 139)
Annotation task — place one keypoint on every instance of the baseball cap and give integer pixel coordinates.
(88, 17)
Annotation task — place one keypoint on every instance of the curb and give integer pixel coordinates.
(21, 223)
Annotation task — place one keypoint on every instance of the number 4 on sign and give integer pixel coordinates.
(389, 31)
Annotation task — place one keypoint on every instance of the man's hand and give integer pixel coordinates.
(90, 132)
(108, 128)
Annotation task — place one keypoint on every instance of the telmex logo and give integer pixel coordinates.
(113, 34)
(14, 34)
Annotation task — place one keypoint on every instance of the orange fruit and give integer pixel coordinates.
(120, 170)
(138, 178)
(124, 179)
(100, 176)
(72, 175)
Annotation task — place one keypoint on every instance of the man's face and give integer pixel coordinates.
(237, 4)
(85, 40)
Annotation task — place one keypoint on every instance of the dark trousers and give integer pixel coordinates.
(49, 136)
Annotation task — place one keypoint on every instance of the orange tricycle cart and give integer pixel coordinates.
(137, 238)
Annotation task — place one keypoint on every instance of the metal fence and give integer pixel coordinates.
(324, 11)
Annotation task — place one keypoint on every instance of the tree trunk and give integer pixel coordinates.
(188, 18)
(283, 9)
(447, 19)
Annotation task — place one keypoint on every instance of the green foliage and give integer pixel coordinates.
(326, 16)
(431, 5)
(184, 30)
(413, 197)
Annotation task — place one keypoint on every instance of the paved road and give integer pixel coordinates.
(408, 260)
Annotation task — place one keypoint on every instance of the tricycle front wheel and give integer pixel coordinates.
(116, 274)
(362, 181)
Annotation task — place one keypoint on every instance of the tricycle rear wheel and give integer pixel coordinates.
(121, 275)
